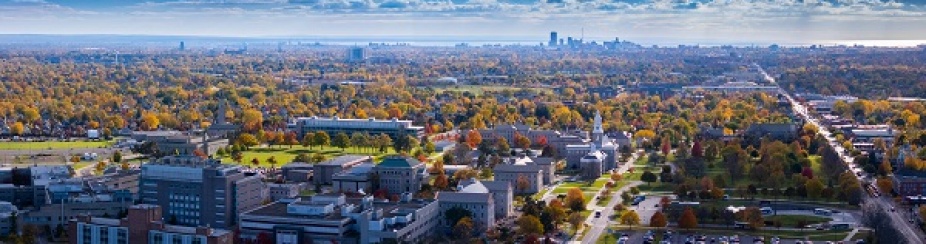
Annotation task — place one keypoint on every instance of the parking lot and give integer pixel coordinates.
(637, 237)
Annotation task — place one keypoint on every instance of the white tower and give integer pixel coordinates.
(597, 131)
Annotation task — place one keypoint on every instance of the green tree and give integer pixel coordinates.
(648, 177)
(322, 139)
(454, 214)
(308, 140)
(341, 140)
(117, 157)
(814, 188)
(528, 224)
(429, 147)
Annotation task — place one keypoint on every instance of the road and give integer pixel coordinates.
(598, 225)
(911, 233)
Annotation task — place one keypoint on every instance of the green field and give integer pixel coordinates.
(791, 220)
(53, 145)
(285, 155)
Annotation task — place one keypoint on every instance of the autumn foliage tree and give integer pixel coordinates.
(575, 200)
(658, 220)
(473, 138)
(688, 220)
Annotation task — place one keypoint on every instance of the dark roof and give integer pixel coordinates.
(399, 162)
(497, 185)
(772, 128)
(542, 160)
(446, 196)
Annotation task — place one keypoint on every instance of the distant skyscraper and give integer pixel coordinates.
(356, 54)
(182, 46)
(553, 39)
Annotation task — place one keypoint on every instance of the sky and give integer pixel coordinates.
(645, 21)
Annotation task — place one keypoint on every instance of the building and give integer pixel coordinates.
(733, 87)
(785, 132)
(356, 54)
(475, 198)
(553, 39)
(144, 224)
(284, 191)
(27, 187)
(323, 172)
(444, 146)
(354, 180)
(511, 173)
(863, 139)
(600, 142)
(908, 183)
(69, 198)
(398, 174)
(297, 172)
(592, 165)
(195, 191)
(7, 212)
(334, 125)
(503, 194)
(334, 218)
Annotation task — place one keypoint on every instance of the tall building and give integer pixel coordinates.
(142, 225)
(182, 46)
(553, 39)
(356, 54)
(599, 143)
(195, 191)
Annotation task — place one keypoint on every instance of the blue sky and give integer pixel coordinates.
(665, 21)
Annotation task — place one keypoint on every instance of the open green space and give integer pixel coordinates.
(285, 154)
(792, 220)
(53, 145)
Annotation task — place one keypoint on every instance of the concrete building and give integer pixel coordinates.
(785, 132)
(503, 194)
(297, 172)
(512, 172)
(7, 210)
(354, 180)
(195, 191)
(27, 187)
(394, 127)
(323, 172)
(284, 191)
(909, 183)
(334, 218)
(592, 165)
(474, 197)
(69, 198)
(143, 225)
(399, 174)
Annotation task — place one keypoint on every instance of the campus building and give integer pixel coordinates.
(323, 172)
(144, 224)
(334, 125)
(195, 191)
(335, 218)
(399, 174)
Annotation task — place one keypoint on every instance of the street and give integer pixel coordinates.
(598, 225)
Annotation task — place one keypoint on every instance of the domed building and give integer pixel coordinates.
(592, 164)
(599, 143)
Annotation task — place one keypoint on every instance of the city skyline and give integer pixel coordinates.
(529, 22)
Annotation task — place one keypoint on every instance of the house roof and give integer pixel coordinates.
(445, 196)
(773, 128)
(497, 185)
(346, 159)
(399, 162)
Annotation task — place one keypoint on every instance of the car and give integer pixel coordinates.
(597, 214)
(892, 209)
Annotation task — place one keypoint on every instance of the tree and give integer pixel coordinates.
(528, 224)
(696, 150)
(658, 220)
(247, 140)
(302, 157)
(814, 188)
(922, 212)
(615, 176)
(252, 119)
(522, 141)
(272, 161)
(237, 156)
(308, 140)
(885, 184)
(290, 139)
(575, 200)
(255, 162)
(322, 139)
(318, 157)
(463, 228)
(752, 216)
(429, 147)
(575, 219)
(358, 139)
(17, 129)
(455, 214)
(648, 177)
(117, 157)
(150, 121)
(630, 218)
(473, 138)
(341, 140)
(522, 184)
(688, 220)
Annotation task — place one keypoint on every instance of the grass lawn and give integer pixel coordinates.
(285, 155)
(80, 165)
(641, 161)
(307, 193)
(540, 193)
(53, 145)
(791, 220)
(657, 186)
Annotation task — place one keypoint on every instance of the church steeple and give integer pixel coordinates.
(597, 131)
